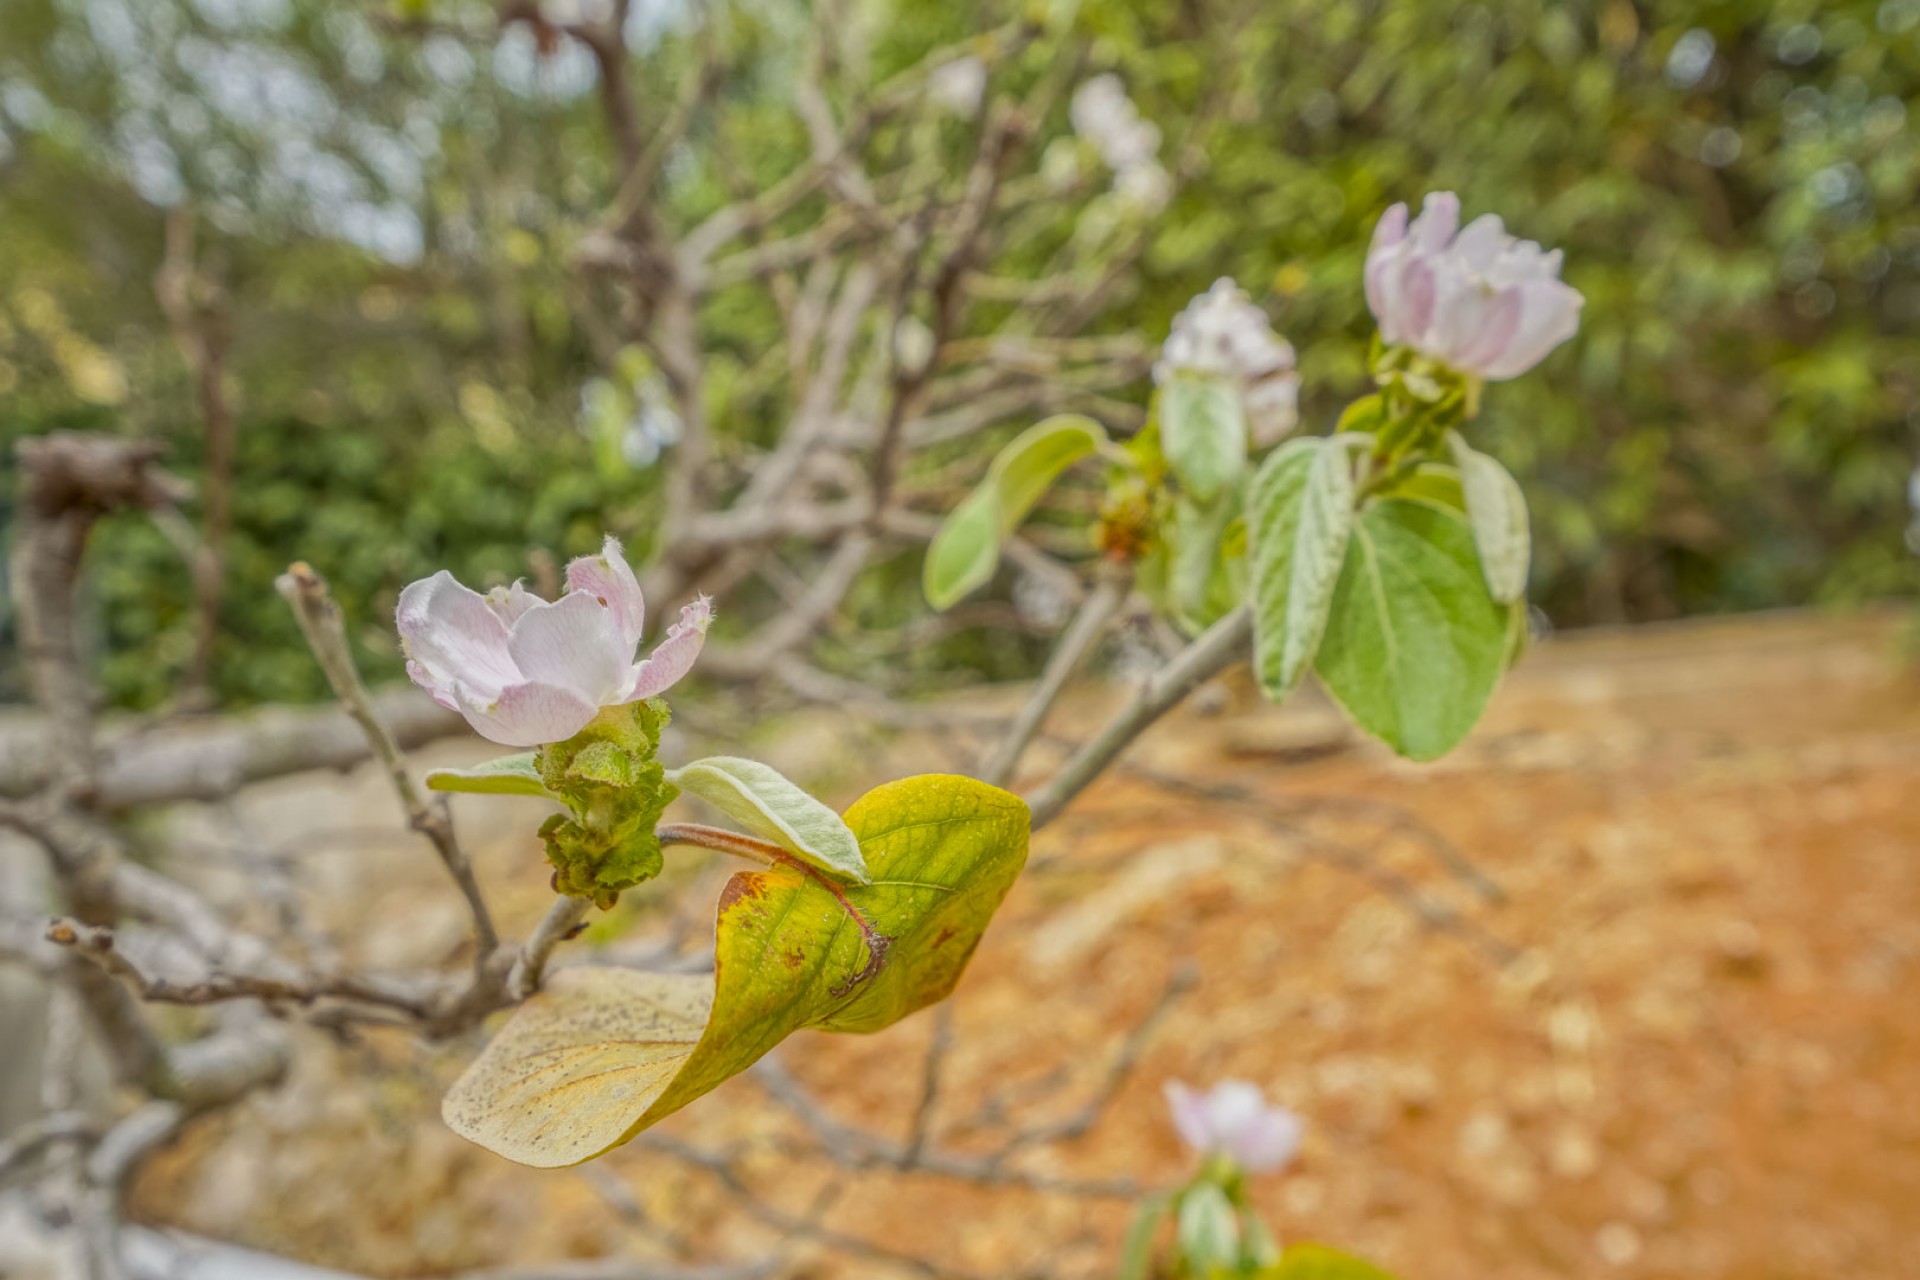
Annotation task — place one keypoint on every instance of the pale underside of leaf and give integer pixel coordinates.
(1203, 432)
(764, 801)
(1497, 510)
(597, 1047)
(1273, 519)
(1320, 545)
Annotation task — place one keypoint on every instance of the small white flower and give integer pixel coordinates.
(1145, 186)
(1222, 334)
(1480, 301)
(526, 671)
(1233, 1119)
(958, 86)
(1102, 113)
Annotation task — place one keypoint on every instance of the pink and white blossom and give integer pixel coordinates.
(1222, 334)
(526, 671)
(1475, 298)
(1233, 1119)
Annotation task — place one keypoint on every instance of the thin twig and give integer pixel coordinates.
(326, 634)
(1216, 648)
(561, 922)
(1079, 639)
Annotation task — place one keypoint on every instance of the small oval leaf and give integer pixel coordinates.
(762, 799)
(1024, 470)
(513, 775)
(1207, 1231)
(1203, 432)
(1497, 510)
(966, 548)
(964, 551)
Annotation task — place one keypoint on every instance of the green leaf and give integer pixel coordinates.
(1317, 1262)
(602, 1054)
(964, 552)
(1196, 556)
(1300, 517)
(513, 775)
(1319, 548)
(1434, 483)
(1207, 1230)
(966, 548)
(1497, 511)
(1136, 1252)
(761, 799)
(1414, 645)
(1368, 413)
(1023, 471)
(1203, 431)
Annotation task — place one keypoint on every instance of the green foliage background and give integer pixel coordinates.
(1733, 184)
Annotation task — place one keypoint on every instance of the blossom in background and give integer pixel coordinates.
(958, 86)
(526, 671)
(1129, 145)
(1222, 334)
(1233, 1119)
(1479, 301)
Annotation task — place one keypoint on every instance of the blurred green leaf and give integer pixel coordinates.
(1497, 512)
(1203, 431)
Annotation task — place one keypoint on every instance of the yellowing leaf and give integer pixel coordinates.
(602, 1054)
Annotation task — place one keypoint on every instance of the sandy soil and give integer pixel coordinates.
(1683, 1042)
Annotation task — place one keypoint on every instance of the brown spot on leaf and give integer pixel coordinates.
(745, 884)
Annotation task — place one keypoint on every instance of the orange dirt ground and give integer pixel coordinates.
(1686, 1044)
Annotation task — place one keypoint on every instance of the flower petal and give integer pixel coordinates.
(1413, 307)
(674, 656)
(1439, 219)
(573, 643)
(1268, 1141)
(1388, 233)
(530, 714)
(1498, 322)
(1232, 1105)
(1481, 242)
(1550, 314)
(452, 636)
(1189, 1115)
(510, 602)
(609, 579)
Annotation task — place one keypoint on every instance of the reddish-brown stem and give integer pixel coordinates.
(765, 851)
